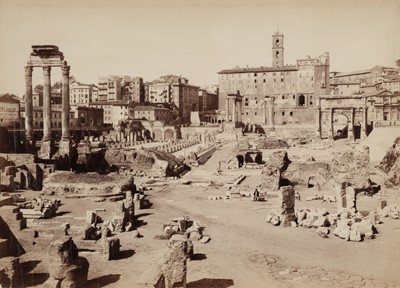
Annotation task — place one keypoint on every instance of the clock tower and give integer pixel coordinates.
(277, 50)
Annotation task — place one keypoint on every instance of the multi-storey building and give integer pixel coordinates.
(9, 111)
(132, 89)
(80, 94)
(160, 92)
(391, 85)
(114, 111)
(207, 100)
(294, 87)
(376, 78)
(174, 90)
(185, 98)
(109, 88)
(137, 87)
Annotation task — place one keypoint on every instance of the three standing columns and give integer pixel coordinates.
(65, 132)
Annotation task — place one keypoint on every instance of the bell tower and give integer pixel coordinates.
(277, 50)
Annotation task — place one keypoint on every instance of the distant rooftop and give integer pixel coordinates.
(9, 98)
(258, 69)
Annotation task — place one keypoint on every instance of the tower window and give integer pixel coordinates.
(277, 54)
(291, 113)
(277, 42)
(283, 113)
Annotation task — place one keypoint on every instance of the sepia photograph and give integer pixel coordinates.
(200, 143)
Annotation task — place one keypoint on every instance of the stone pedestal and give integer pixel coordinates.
(288, 201)
(110, 248)
(64, 149)
(46, 149)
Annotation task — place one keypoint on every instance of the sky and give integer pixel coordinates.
(195, 39)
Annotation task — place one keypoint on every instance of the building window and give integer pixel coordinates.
(291, 113)
(283, 97)
(255, 113)
(283, 113)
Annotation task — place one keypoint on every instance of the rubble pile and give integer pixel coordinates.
(351, 164)
(346, 224)
(391, 165)
(323, 198)
(190, 229)
(40, 208)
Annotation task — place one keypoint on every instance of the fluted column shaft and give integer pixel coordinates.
(65, 103)
(46, 103)
(28, 103)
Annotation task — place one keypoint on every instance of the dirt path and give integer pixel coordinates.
(244, 250)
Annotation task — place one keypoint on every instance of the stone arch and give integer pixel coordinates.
(146, 134)
(169, 134)
(340, 125)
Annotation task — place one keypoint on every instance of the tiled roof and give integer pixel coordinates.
(258, 69)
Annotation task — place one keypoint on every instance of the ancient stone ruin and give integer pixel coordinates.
(66, 268)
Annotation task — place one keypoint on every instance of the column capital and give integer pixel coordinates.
(46, 70)
(28, 70)
(65, 69)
